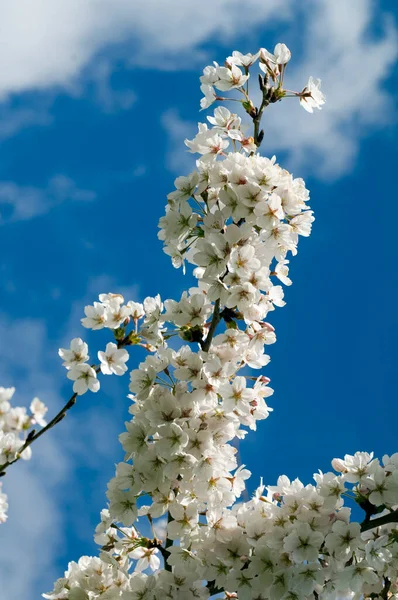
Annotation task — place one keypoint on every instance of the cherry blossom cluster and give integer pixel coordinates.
(250, 214)
(176, 525)
(15, 424)
(234, 75)
(290, 541)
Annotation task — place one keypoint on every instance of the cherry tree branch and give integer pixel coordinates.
(33, 436)
(213, 589)
(384, 520)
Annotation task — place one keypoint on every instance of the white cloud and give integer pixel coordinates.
(49, 43)
(354, 66)
(179, 160)
(20, 203)
(109, 98)
(13, 119)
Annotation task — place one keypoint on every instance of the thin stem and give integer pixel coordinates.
(199, 205)
(30, 439)
(384, 520)
(257, 118)
(166, 370)
(57, 419)
(163, 382)
(165, 553)
(214, 322)
(151, 524)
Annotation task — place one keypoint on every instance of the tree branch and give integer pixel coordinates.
(213, 589)
(32, 438)
(258, 136)
(168, 543)
(384, 520)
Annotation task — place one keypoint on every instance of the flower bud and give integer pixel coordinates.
(339, 465)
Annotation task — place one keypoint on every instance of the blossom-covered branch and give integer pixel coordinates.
(237, 219)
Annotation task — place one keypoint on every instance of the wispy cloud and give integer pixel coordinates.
(20, 203)
(13, 118)
(178, 159)
(101, 284)
(107, 95)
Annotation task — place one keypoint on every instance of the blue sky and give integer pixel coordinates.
(95, 101)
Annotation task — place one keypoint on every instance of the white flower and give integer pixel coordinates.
(141, 382)
(311, 97)
(209, 96)
(378, 555)
(185, 187)
(85, 378)
(122, 505)
(146, 557)
(226, 123)
(95, 316)
(209, 76)
(184, 520)
(307, 578)
(3, 506)
(77, 354)
(115, 313)
(243, 260)
(230, 78)
(355, 576)
(303, 543)
(172, 440)
(6, 394)
(383, 488)
(136, 309)
(113, 360)
(355, 467)
(10, 445)
(343, 539)
(236, 396)
(38, 409)
(207, 143)
(242, 60)
(281, 55)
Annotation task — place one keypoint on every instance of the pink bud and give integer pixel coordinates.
(339, 465)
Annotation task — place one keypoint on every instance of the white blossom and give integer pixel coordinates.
(85, 378)
(311, 96)
(113, 360)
